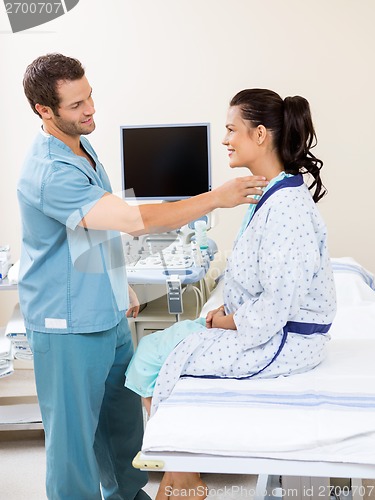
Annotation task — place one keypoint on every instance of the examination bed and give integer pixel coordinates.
(316, 424)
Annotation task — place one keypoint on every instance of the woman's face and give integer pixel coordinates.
(240, 140)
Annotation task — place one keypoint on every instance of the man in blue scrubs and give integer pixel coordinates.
(73, 289)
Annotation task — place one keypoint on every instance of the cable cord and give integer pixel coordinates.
(199, 298)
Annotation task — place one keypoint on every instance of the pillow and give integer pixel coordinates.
(355, 318)
(354, 283)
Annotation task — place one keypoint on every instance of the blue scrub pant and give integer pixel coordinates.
(93, 424)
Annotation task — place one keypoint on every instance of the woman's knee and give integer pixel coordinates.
(147, 348)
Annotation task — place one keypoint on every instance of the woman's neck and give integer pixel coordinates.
(269, 169)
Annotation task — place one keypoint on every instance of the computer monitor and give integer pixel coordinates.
(165, 162)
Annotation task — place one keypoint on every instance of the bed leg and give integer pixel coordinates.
(302, 488)
(261, 487)
(357, 489)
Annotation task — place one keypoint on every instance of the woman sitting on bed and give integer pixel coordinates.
(279, 295)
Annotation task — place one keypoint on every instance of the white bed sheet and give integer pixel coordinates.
(327, 414)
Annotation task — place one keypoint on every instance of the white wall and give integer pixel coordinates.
(165, 61)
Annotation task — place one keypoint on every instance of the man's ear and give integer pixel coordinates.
(44, 111)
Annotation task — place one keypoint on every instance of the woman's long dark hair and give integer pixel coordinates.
(292, 129)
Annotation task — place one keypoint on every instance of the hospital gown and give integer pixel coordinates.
(278, 279)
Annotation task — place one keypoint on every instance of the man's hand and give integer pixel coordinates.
(133, 310)
(239, 191)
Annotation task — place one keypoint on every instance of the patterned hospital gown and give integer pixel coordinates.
(279, 274)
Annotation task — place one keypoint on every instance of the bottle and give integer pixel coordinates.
(4, 261)
(200, 227)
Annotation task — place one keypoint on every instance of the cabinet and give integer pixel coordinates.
(155, 315)
(19, 409)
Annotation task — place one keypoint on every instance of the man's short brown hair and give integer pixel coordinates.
(43, 74)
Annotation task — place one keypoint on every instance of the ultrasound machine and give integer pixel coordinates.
(163, 164)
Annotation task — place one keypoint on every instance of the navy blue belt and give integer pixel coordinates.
(306, 328)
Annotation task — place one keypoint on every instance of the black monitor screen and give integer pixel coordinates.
(166, 162)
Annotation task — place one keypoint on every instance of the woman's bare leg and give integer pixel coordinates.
(187, 485)
(147, 404)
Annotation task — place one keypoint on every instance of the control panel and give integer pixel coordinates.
(154, 258)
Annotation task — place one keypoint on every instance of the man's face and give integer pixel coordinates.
(76, 109)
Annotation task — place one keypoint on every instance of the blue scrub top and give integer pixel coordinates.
(72, 280)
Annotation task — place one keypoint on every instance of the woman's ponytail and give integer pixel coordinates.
(296, 141)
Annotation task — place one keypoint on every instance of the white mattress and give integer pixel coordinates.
(327, 414)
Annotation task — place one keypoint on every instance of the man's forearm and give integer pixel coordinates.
(167, 216)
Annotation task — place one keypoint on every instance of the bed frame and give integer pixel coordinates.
(301, 480)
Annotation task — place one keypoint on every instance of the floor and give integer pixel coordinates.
(22, 471)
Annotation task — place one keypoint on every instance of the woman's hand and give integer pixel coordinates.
(218, 319)
(211, 314)
(133, 310)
